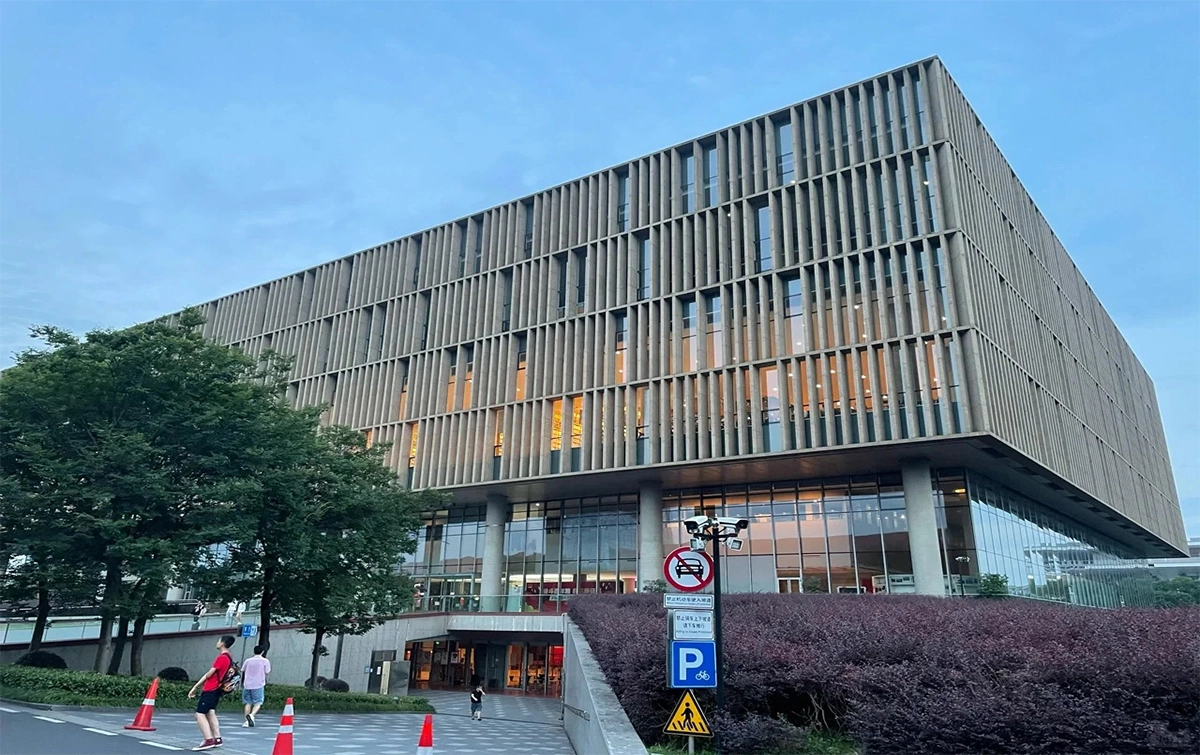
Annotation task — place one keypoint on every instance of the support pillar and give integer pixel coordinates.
(650, 527)
(922, 527)
(491, 590)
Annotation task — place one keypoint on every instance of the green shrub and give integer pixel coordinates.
(42, 659)
(993, 586)
(53, 686)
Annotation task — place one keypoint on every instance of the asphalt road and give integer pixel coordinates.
(24, 731)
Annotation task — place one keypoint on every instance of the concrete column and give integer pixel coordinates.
(493, 554)
(650, 526)
(922, 527)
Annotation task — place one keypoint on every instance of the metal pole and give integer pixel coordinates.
(716, 547)
(337, 659)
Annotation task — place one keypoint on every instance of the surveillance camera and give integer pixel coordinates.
(695, 524)
(734, 544)
(696, 544)
(729, 521)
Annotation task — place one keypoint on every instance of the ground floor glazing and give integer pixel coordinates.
(530, 668)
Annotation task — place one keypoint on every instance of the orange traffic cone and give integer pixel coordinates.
(283, 740)
(425, 745)
(141, 722)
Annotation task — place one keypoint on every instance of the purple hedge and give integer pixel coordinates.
(908, 674)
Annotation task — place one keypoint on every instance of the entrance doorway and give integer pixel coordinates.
(523, 668)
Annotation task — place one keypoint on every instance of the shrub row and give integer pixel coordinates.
(909, 674)
(88, 688)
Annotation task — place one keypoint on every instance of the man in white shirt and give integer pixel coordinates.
(254, 682)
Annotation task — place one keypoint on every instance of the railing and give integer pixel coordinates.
(514, 602)
(20, 631)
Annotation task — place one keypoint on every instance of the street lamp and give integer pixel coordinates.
(962, 565)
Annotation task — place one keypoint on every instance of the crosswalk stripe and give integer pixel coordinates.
(9, 710)
(51, 720)
(163, 746)
(100, 731)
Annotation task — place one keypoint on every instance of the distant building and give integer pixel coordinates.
(845, 320)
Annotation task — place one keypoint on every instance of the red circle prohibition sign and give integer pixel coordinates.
(688, 570)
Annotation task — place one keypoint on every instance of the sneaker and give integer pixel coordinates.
(251, 717)
(218, 742)
(246, 724)
(207, 744)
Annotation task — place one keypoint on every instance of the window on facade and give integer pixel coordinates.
(689, 335)
(793, 316)
(710, 177)
(830, 136)
(642, 424)
(914, 193)
(687, 182)
(576, 433)
(556, 436)
(885, 96)
(402, 409)
(425, 313)
(940, 273)
(930, 200)
(843, 128)
(714, 330)
(560, 265)
(527, 205)
(881, 205)
(623, 202)
(785, 158)
(922, 117)
(416, 247)
(468, 376)
(644, 267)
(764, 258)
(873, 119)
(621, 329)
(497, 442)
(451, 381)
(478, 245)
(412, 455)
(856, 108)
(902, 95)
(580, 279)
(771, 416)
(506, 306)
(519, 382)
(462, 250)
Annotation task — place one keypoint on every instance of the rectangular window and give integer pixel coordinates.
(416, 276)
(856, 107)
(580, 279)
(771, 414)
(556, 434)
(478, 245)
(940, 272)
(425, 313)
(902, 95)
(560, 264)
(930, 200)
(642, 420)
(462, 250)
(528, 208)
(621, 327)
(412, 455)
(451, 386)
(915, 217)
(506, 306)
(689, 336)
(886, 96)
(764, 259)
(497, 442)
(710, 177)
(402, 409)
(688, 182)
(519, 382)
(714, 330)
(793, 316)
(623, 202)
(468, 376)
(576, 433)
(922, 117)
(644, 264)
(785, 158)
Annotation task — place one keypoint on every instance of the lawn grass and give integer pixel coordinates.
(819, 743)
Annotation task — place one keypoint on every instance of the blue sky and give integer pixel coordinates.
(155, 155)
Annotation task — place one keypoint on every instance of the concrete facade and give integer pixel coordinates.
(829, 290)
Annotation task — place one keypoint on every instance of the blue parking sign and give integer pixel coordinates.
(249, 630)
(692, 664)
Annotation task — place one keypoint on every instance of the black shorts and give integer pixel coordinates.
(208, 701)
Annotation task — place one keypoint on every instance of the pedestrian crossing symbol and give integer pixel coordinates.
(688, 719)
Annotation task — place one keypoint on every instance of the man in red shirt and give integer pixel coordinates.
(210, 695)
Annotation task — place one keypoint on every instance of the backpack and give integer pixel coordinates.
(232, 679)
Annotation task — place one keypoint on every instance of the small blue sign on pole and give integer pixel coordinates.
(249, 630)
(692, 664)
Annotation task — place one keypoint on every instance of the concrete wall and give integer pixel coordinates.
(595, 722)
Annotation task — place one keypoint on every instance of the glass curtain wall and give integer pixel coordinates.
(447, 563)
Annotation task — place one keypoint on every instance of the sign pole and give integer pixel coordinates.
(691, 745)
(716, 546)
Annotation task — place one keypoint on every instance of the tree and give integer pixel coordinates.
(655, 586)
(993, 586)
(361, 524)
(122, 441)
(1180, 591)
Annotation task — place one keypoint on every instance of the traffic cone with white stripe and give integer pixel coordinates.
(425, 745)
(283, 740)
(141, 722)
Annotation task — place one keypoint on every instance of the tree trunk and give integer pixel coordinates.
(43, 616)
(316, 658)
(264, 611)
(112, 586)
(135, 647)
(114, 663)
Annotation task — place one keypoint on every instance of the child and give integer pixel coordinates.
(477, 702)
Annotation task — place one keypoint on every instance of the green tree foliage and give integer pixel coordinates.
(1180, 591)
(993, 586)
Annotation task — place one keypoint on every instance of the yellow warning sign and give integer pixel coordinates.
(688, 719)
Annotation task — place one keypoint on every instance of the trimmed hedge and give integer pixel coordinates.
(38, 685)
(41, 659)
(903, 674)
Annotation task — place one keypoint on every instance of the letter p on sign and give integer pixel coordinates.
(689, 659)
(692, 664)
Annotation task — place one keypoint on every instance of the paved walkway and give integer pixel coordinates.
(496, 707)
(359, 733)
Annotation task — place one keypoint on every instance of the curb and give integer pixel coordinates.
(112, 708)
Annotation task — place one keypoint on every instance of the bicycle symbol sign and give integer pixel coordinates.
(688, 570)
